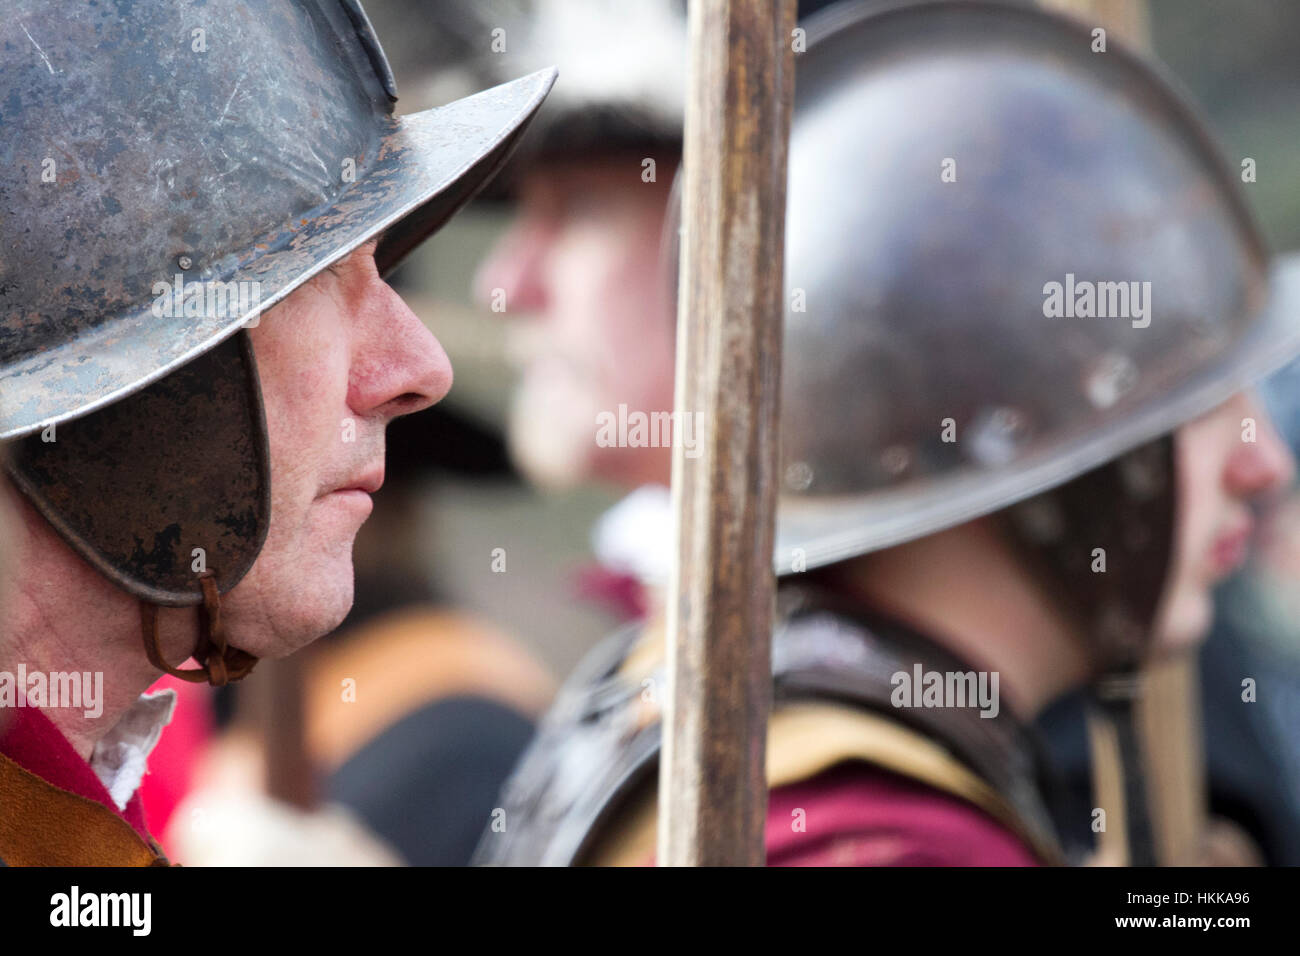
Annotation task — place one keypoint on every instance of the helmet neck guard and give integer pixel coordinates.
(167, 492)
(1101, 545)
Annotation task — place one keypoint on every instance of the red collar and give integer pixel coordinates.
(31, 740)
(621, 593)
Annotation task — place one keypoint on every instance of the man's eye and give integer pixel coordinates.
(364, 251)
(337, 269)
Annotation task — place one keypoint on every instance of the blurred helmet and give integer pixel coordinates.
(170, 172)
(624, 67)
(1009, 260)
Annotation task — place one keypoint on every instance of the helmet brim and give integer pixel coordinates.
(428, 165)
(816, 531)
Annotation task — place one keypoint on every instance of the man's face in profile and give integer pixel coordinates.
(338, 359)
(1220, 473)
(581, 267)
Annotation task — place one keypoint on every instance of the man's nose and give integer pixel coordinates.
(509, 281)
(398, 365)
(1265, 465)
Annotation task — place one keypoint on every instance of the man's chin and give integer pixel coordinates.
(330, 611)
(1184, 624)
(552, 426)
(302, 612)
(552, 458)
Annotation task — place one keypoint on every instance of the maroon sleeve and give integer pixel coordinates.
(858, 815)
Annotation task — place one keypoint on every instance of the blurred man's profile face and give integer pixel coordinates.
(580, 267)
(1226, 459)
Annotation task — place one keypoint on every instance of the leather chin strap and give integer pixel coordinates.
(219, 663)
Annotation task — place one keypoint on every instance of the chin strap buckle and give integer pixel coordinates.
(219, 664)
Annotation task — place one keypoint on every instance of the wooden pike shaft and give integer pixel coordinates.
(290, 776)
(713, 789)
(1129, 19)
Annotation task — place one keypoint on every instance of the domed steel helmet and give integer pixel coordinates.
(168, 172)
(971, 189)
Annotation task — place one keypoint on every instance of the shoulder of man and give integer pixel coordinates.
(857, 814)
(852, 814)
(45, 825)
(56, 811)
(586, 790)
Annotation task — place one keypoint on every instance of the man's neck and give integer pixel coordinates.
(965, 590)
(60, 616)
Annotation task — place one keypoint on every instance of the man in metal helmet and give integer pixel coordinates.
(188, 476)
(580, 273)
(579, 269)
(1024, 298)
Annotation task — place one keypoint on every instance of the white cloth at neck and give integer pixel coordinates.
(120, 759)
(636, 536)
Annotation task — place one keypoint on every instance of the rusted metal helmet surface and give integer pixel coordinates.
(1009, 260)
(168, 172)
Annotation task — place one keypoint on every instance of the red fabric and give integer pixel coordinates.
(858, 815)
(622, 594)
(31, 740)
(174, 762)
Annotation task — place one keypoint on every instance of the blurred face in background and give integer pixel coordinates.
(580, 270)
(1222, 475)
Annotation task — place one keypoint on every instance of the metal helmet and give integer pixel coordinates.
(624, 66)
(971, 189)
(169, 172)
